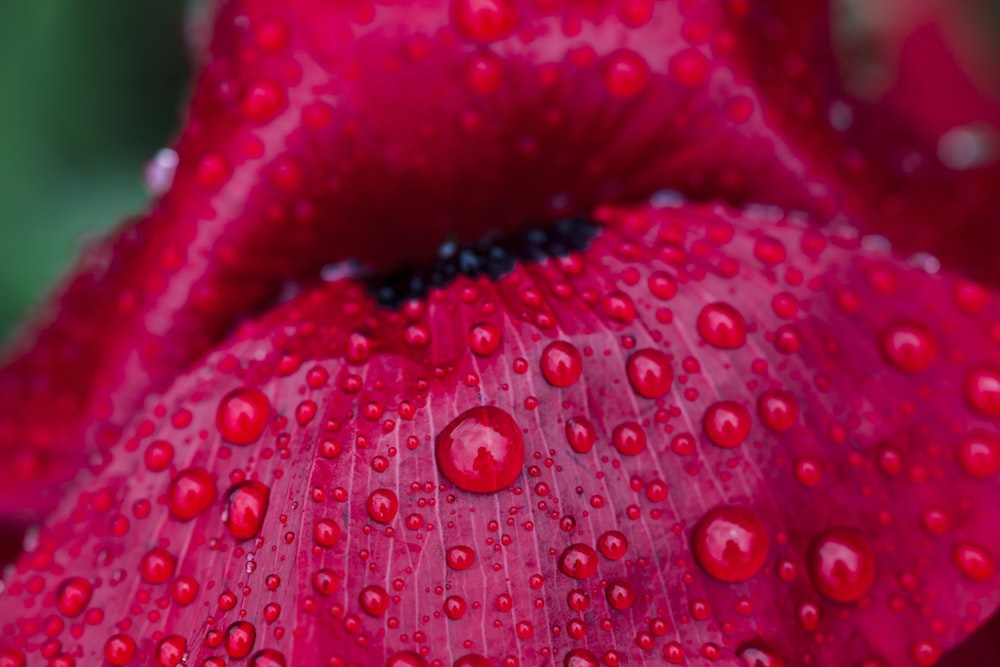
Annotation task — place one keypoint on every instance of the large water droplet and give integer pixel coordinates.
(383, 505)
(727, 423)
(908, 347)
(242, 416)
(481, 450)
(978, 454)
(756, 654)
(246, 507)
(267, 658)
(649, 373)
(730, 543)
(722, 326)
(190, 492)
(625, 74)
(484, 20)
(580, 434)
(170, 651)
(73, 596)
(974, 562)
(240, 638)
(578, 561)
(842, 565)
(580, 657)
(561, 363)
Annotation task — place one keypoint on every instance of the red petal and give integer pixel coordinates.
(916, 158)
(858, 516)
(318, 130)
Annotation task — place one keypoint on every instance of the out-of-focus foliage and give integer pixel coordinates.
(88, 92)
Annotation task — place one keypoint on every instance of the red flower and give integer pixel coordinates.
(708, 432)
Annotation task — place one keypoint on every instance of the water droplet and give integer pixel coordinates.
(374, 600)
(484, 339)
(613, 544)
(649, 373)
(908, 347)
(778, 410)
(484, 72)
(119, 649)
(722, 326)
(170, 651)
(978, 454)
(73, 596)
(974, 562)
(756, 654)
(240, 638)
(263, 100)
(727, 423)
(620, 595)
(730, 543)
(159, 173)
(383, 505)
(578, 561)
(267, 658)
(246, 507)
(190, 493)
(326, 532)
(455, 607)
(158, 455)
(689, 67)
(481, 450)
(561, 364)
(629, 438)
(626, 74)
(242, 416)
(982, 391)
(460, 558)
(580, 434)
(484, 20)
(842, 565)
(925, 652)
(405, 659)
(156, 566)
(580, 657)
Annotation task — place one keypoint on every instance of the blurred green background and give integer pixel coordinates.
(88, 92)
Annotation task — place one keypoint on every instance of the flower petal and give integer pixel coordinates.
(318, 130)
(709, 434)
(914, 159)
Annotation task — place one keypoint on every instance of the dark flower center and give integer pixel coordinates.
(493, 255)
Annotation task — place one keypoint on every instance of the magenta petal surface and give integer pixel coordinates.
(878, 538)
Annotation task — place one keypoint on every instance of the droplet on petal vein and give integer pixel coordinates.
(481, 450)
